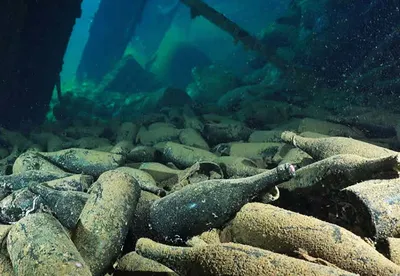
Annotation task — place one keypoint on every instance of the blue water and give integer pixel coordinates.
(161, 16)
(78, 40)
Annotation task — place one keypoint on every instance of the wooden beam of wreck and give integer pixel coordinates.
(110, 32)
(199, 8)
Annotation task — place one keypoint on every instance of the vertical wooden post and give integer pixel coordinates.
(111, 30)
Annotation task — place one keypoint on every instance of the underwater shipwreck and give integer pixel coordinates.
(199, 137)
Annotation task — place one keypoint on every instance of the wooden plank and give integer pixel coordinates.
(199, 8)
